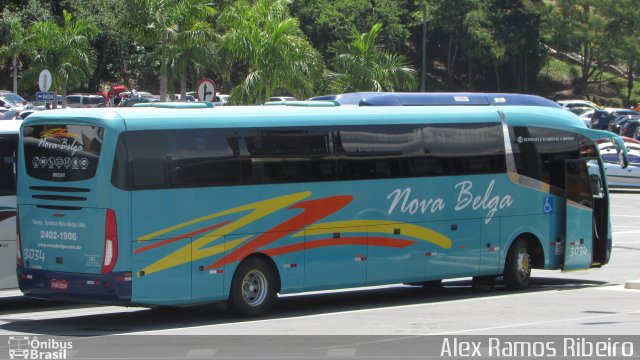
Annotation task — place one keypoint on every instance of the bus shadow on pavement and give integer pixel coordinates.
(163, 318)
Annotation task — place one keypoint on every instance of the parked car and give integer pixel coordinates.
(24, 113)
(138, 100)
(85, 101)
(220, 99)
(586, 117)
(629, 128)
(9, 100)
(618, 123)
(601, 118)
(616, 175)
(9, 114)
(187, 97)
(578, 104)
(282, 98)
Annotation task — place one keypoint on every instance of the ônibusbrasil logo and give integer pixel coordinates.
(25, 347)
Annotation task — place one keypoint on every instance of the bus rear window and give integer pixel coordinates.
(62, 152)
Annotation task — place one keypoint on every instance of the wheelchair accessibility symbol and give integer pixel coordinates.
(548, 205)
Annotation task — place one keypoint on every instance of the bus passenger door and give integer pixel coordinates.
(578, 249)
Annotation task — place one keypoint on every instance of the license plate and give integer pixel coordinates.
(59, 284)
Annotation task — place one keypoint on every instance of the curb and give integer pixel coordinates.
(632, 284)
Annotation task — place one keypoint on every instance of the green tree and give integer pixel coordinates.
(262, 36)
(326, 22)
(194, 48)
(623, 32)
(578, 26)
(447, 17)
(171, 29)
(362, 65)
(63, 50)
(17, 44)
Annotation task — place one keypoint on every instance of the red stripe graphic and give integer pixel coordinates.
(313, 210)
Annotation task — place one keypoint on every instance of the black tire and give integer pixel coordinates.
(253, 288)
(517, 268)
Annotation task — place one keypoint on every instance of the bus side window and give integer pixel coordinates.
(375, 152)
(7, 166)
(288, 155)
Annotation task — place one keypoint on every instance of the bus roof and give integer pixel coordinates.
(436, 99)
(156, 117)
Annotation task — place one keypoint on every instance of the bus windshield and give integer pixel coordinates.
(62, 152)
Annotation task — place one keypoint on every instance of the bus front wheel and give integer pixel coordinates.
(253, 289)
(517, 268)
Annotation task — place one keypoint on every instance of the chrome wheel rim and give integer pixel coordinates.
(523, 264)
(254, 288)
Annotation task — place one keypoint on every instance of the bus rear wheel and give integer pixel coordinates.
(253, 289)
(517, 268)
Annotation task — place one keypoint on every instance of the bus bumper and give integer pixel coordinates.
(113, 288)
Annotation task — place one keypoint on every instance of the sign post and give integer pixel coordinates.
(44, 83)
(206, 90)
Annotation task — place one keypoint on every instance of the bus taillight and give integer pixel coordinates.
(110, 243)
(18, 245)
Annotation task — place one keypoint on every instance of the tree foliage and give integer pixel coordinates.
(63, 50)
(260, 47)
(263, 36)
(362, 65)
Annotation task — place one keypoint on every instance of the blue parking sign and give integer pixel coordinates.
(45, 96)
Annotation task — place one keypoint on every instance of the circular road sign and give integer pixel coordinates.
(44, 80)
(206, 90)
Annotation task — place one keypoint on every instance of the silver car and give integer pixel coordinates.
(616, 175)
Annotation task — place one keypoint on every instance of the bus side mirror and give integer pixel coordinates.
(622, 151)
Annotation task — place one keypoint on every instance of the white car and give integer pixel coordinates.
(220, 99)
(571, 104)
(9, 100)
(616, 175)
(586, 117)
(282, 98)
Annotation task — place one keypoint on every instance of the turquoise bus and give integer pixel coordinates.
(176, 204)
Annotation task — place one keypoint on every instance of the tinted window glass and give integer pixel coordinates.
(8, 145)
(378, 152)
(177, 158)
(74, 99)
(288, 155)
(464, 149)
(62, 152)
(541, 153)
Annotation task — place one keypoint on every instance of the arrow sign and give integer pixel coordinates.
(206, 89)
(44, 80)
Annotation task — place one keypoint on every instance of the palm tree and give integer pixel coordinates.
(361, 65)
(17, 45)
(65, 51)
(193, 49)
(263, 37)
(174, 30)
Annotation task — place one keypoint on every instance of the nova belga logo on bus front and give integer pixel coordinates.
(24, 347)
